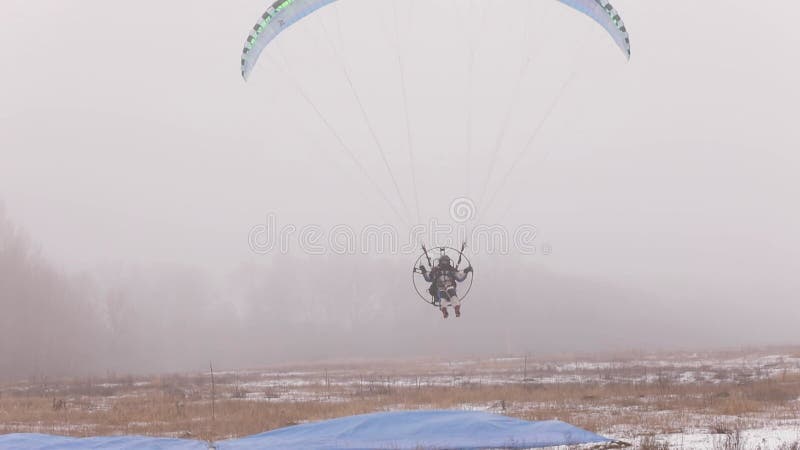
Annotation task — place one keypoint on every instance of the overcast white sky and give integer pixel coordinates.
(127, 133)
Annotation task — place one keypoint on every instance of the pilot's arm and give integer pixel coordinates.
(425, 274)
(461, 275)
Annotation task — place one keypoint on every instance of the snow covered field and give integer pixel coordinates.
(745, 399)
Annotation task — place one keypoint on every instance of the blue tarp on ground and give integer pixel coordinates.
(46, 442)
(412, 430)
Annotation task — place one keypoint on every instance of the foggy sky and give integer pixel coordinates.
(666, 186)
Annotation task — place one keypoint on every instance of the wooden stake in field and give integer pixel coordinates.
(213, 395)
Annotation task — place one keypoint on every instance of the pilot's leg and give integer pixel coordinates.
(455, 301)
(443, 303)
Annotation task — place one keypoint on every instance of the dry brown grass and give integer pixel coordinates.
(256, 401)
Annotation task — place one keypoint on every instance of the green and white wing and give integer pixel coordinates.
(603, 13)
(280, 16)
(284, 13)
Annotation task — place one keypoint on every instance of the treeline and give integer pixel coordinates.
(129, 319)
(160, 318)
(48, 321)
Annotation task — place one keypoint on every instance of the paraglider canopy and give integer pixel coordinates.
(283, 13)
(389, 152)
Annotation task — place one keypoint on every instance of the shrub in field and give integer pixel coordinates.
(732, 440)
(650, 442)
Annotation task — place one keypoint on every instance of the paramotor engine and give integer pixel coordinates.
(423, 288)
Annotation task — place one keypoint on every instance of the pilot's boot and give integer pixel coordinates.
(458, 310)
(444, 312)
